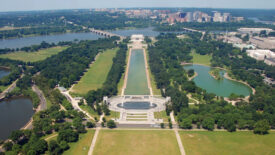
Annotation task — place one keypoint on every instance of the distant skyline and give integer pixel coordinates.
(28, 5)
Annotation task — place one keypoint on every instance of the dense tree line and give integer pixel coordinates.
(258, 114)
(34, 48)
(68, 66)
(109, 87)
(45, 30)
(14, 68)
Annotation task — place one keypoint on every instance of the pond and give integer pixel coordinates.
(4, 72)
(222, 87)
(14, 114)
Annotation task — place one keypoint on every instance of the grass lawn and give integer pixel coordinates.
(243, 142)
(89, 110)
(96, 74)
(33, 56)
(201, 59)
(82, 146)
(2, 88)
(161, 115)
(113, 114)
(136, 142)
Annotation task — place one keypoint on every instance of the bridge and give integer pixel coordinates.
(105, 33)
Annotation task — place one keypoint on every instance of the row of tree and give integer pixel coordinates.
(165, 63)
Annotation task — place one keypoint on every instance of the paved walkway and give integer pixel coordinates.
(177, 134)
(94, 141)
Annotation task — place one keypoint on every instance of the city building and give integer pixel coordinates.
(264, 43)
(253, 30)
(264, 55)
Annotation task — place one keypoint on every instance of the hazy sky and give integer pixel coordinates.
(19, 5)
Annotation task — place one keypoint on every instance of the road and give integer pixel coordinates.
(9, 89)
(43, 102)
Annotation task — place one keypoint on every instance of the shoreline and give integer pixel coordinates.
(192, 77)
(227, 77)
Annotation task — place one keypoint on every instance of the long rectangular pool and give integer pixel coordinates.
(137, 80)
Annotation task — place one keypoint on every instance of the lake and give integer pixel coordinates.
(222, 87)
(4, 72)
(14, 114)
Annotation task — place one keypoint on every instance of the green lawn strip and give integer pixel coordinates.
(161, 115)
(82, 146)
(136, 116)
(129, 119)
(33, 56)
(136, 142)
(89, 110)
(2, 88)
(121, 81)
(201, 59)
(97, 73)
(113, 115)
(222, 142)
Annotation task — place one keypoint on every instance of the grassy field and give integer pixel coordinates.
(161, 115)
(136, 142)
(201, 59)
(211, 143)
(33, 56)
(89, 110)
(82, 146)
(113, 114)
(96, 74)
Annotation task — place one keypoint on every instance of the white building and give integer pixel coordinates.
(264, 55)
(253, 30)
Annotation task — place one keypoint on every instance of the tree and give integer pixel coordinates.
(186, 123)
(170, 125)
(162, 125)
(67, 135)
(64, 145)
(8, 146)
(208, 123)
(111, 124)
(90, 124)
(261, 127)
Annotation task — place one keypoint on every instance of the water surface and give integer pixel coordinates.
(137, 80)
(14, 114)
(222, 87)
(4, 72)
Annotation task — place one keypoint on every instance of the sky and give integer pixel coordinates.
(27, 5)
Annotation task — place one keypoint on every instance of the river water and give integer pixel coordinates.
(14, 114)
(28, 41)
(222, 87)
